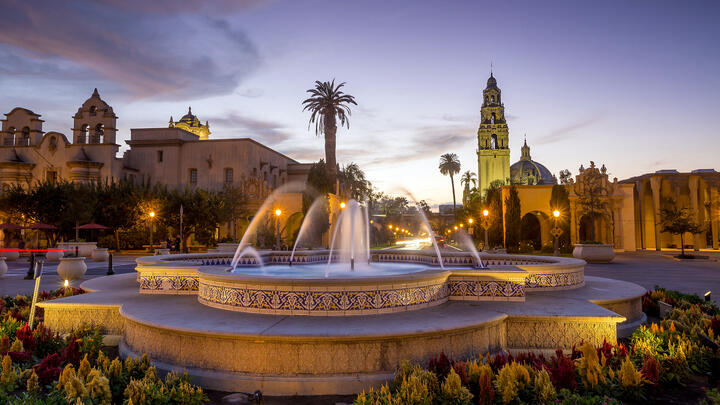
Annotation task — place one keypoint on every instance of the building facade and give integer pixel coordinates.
(178, 156)
(493, 138)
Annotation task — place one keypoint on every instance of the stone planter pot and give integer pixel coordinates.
(72, 268)
(54, 255)
(593, 253)
(162, 251)
(11, 255)
(100, 254)
(3, 266)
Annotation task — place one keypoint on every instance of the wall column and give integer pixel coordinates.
(714, 216)
(573, 223)
(618, 228)
(655, 184)
(693, 185)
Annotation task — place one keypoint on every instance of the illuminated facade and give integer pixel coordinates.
(493, 146)
(192, 124)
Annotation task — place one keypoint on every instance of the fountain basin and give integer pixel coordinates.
(381, 288)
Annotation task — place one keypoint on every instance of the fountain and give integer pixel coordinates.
(340, 320)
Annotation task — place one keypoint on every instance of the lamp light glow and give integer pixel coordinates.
(486, 213)
(342, 205)
(278, 212)
(66, 283)
(556, 214)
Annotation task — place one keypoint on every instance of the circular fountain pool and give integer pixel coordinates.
(334, 270)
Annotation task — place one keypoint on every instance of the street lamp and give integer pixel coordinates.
(278, 212)
(152, 216)
(556, 232)
(485, 213)
(342, 205)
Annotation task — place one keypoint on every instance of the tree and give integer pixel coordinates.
(493, 203)
(467, 178)
(512, 220)
(327, 104)
(116, 206)
(450, 166)
(565, 176)
(353, 182)
(678, 221)
(592, 195)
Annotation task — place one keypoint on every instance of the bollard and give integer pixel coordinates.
(110, 271)
(31, 269)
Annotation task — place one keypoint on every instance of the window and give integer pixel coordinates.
(93, 110)
(493, 142)
(97, 136)
(25, 139)
(82, 137)
(10, 137)
(229, 175)
(160, 156)
(492, 98)
(492, 118)
(193, 176)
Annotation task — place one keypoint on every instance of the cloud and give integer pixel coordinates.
(148, 50)
(266, 132)
(565, 132)
(252, 93)
(429, 141)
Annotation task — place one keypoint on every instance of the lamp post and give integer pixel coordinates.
(556, 232)
(485, 213)
(152, 216)
(278, 212)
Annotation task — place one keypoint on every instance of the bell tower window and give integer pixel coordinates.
(492, 118)
(98, 134)
(10, 137)
(493, 142)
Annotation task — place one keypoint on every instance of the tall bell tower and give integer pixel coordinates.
(493, 148)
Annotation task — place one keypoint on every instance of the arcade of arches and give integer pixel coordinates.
(633, 218)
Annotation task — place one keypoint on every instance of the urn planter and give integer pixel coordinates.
(3, 266)
(594, 253)
(72, 268)
(11, 255)
(100, 254)
(54, 255)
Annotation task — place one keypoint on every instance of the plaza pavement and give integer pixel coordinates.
(646, 268)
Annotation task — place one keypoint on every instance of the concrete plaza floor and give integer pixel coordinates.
(651, 268)
(646, 268)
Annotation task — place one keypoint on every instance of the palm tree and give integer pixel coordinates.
(467, 178)
(328, 105)
(450, 165)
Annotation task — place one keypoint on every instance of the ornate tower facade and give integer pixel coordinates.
(493, 147)
(94, 122)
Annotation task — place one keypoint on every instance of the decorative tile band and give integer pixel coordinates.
(321, 301)
(486, 289)
(340, 301)
(554, 280)
(169, 284)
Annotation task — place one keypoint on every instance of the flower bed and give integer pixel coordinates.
(656, 364)
(42, 367)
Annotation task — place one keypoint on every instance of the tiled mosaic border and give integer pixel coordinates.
(316, 301)
(554, 280)
(168, 284)
(322, 300)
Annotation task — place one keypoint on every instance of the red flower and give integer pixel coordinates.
(71, 354)
(20, 357)
(25, 334)
(48, 370)
(562, 371)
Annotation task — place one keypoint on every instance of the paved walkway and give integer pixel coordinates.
(657, 268)
(647, 268)
(13, 282)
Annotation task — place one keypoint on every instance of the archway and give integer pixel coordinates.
(530, 230)
(591, 230)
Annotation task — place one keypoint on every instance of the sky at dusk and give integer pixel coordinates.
(631, 84)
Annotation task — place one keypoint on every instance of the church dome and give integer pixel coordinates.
(528, 171)
(491, 82)
(192, 124)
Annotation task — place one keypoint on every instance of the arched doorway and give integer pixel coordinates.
(530, 230)
(586, 232)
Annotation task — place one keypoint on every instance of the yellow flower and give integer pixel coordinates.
(33, 384)
(510, 380)
(544, 389)
(589, 366)
(17, 346)
(628, 376)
